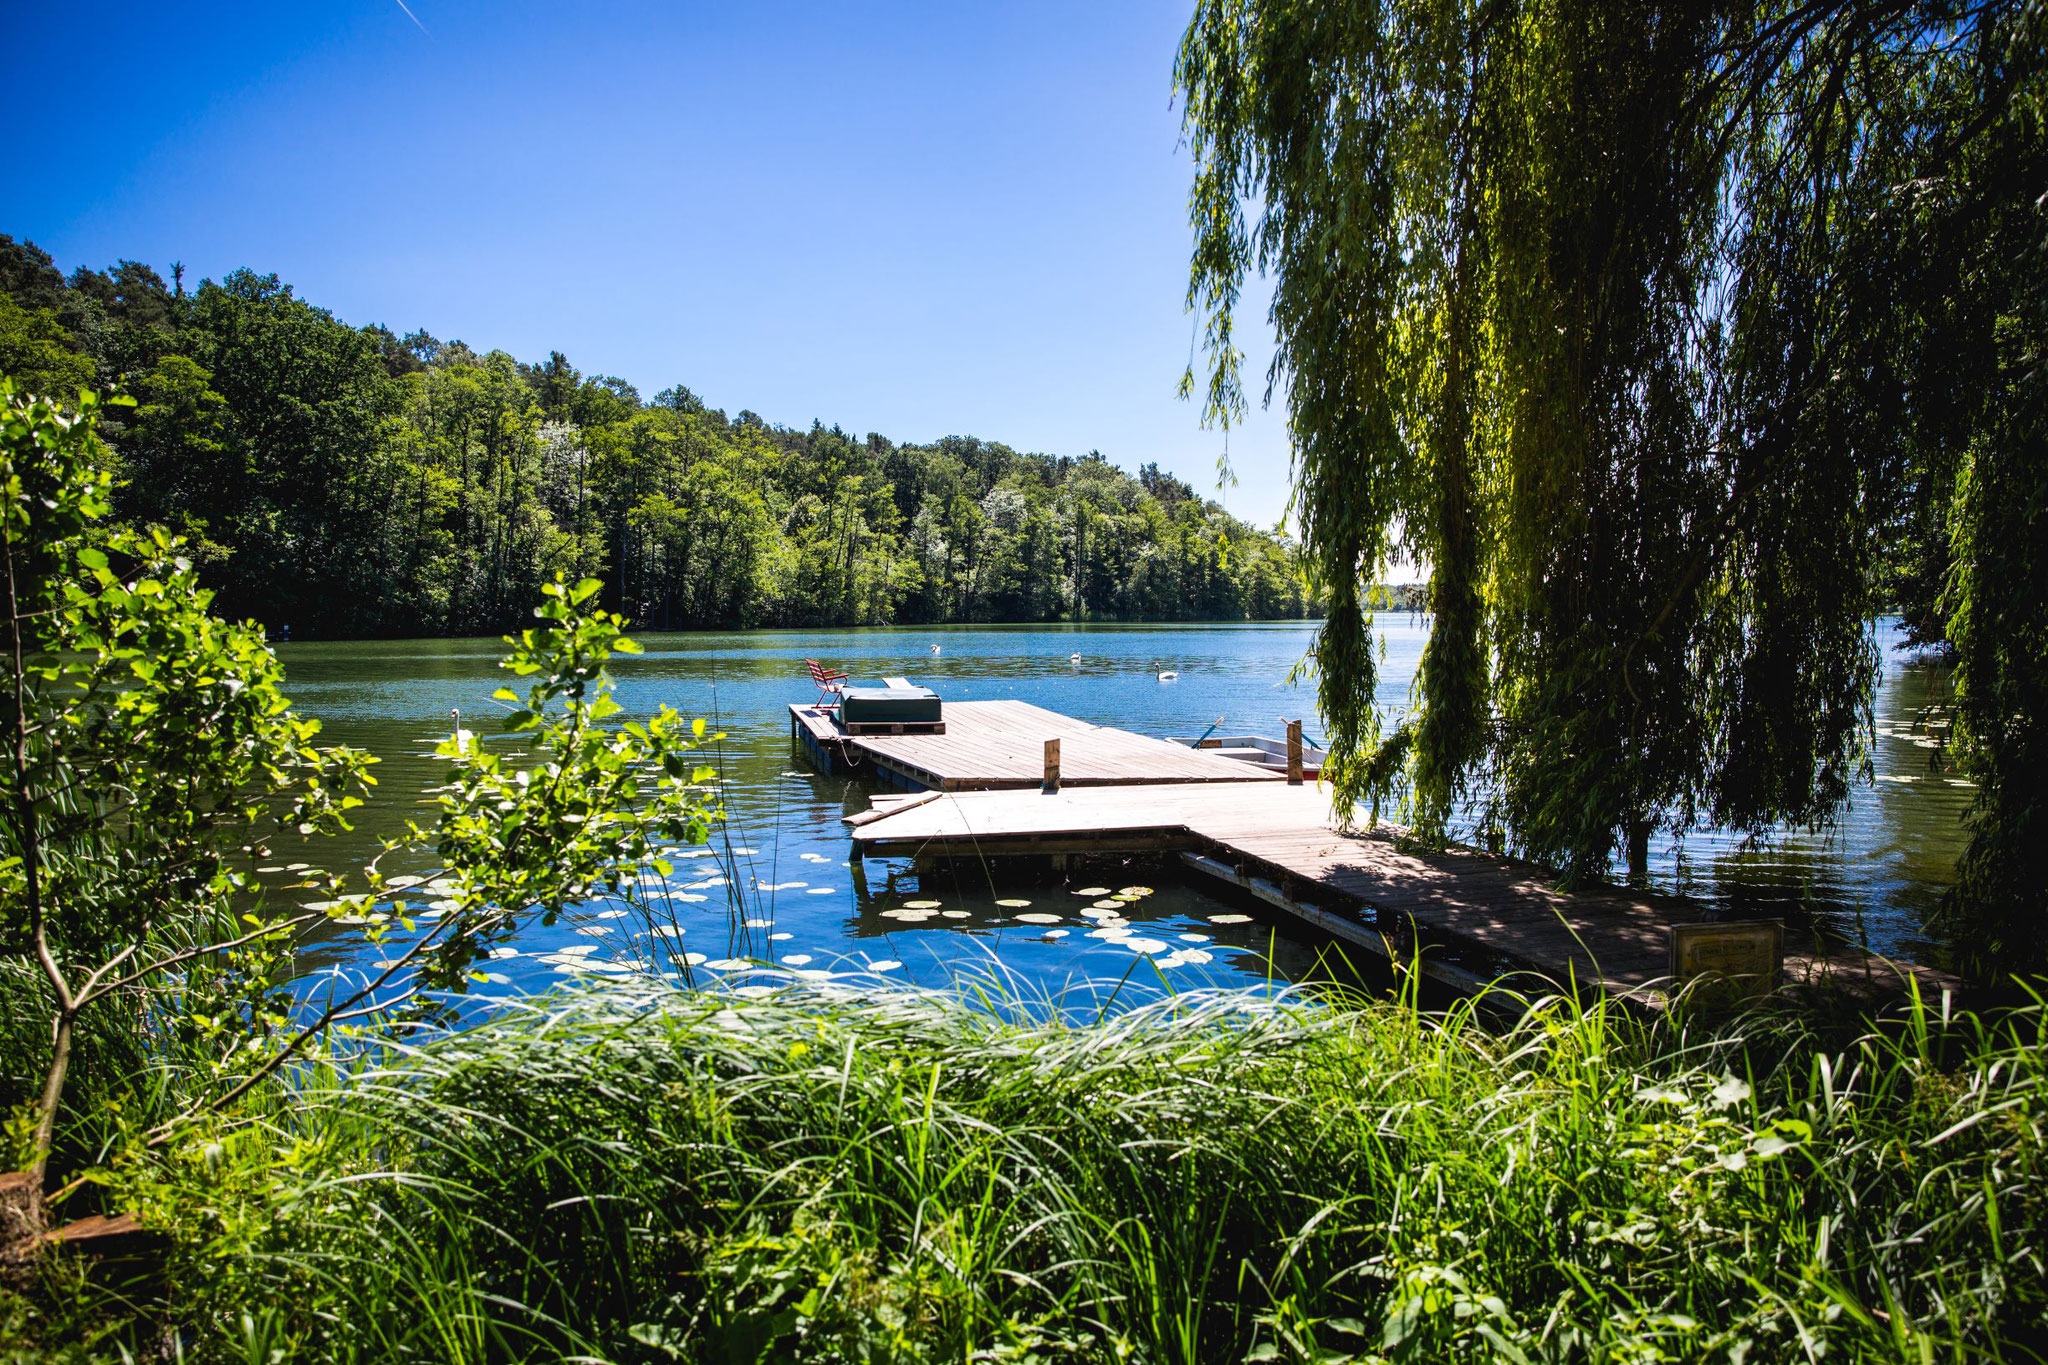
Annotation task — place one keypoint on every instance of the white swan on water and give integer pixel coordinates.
(462, 736)
(1168, 676)
(1073, 658)
(935, 649)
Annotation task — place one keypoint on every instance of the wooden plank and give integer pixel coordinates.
(1119, 791)
(1605, 938)
(888, 805)
(999, 744)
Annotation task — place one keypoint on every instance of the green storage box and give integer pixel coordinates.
(889, 706)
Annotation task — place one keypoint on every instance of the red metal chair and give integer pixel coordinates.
(829, 683)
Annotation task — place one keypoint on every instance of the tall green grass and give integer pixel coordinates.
(648, 1175)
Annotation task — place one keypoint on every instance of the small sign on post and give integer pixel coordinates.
(1052, 768)
(1727, 962)
(1294, 753)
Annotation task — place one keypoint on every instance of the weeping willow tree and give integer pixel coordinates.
(1635, 322)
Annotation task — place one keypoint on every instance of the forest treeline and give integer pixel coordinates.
(348, 480)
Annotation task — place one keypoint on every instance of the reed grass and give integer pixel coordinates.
(648, 1174)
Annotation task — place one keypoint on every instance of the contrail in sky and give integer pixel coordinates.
(414, 17)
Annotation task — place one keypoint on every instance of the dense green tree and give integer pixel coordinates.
(1639, 323)
(38, 352)
(347, 480)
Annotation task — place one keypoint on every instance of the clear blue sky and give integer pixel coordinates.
(915, 219)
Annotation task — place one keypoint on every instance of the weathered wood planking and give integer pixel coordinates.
(1283, 837)
(998, 745)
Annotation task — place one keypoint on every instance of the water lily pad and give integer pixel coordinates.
(822, 891)
(956, 914)
(1013, 904)
(887, 964)
(1144, 945)
(594, 930)
(908, 916)
(1055, 933)
(1093, 891)
(1135, 891)
(1110, 905)
(694, 959)
(729, 964)
(921, 905)
(1194, 938)
(783, 937)
(1230, 919)
(760, 924)
(1097, 913)
(797, 959)
(1038, 919)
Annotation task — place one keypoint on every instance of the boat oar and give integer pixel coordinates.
(1208, 732)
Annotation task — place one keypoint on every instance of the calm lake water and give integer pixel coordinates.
(777, 885)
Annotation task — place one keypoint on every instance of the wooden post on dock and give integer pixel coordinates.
(1294, 753)
(1051, 786)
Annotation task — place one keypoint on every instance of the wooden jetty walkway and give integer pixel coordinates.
(1479, 917)
(992, 745)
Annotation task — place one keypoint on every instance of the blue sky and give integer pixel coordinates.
(914, 219)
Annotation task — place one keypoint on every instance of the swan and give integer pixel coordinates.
(462, 737)
(935, 649)
(1073, 658)
(1168, 676)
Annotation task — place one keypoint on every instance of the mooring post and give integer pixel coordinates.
(1294, 753)
(1052, 768)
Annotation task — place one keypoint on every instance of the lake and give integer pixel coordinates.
(777, 885)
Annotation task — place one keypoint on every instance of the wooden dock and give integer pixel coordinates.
(998, 745)
(1482, 917)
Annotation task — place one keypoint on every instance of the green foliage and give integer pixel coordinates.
(2000, 629)
(38, 352)
(348, 481)
(645, 1175)
(152, 763)
(585, 813)
(149, 754)
(1639, 324)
